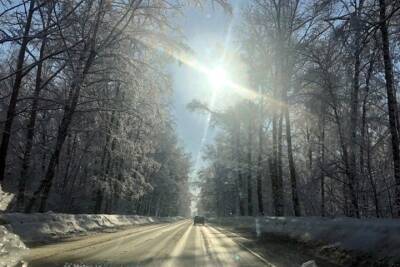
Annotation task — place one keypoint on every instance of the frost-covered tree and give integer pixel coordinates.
(84, 96)
(330, 65)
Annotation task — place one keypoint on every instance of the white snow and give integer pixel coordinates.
(11, 248)
(5, 199)
(310, 263)
(44, 227)
(378, 238)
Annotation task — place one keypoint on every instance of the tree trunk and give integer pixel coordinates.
(345, 157)
(392, 101)
(277, 185)
(70, 156)
(249, 170)
(239, 173)
(322, 163)
(279, 148)
(45, 186)
(106, 158)
(309, 152)
(31, 128)
(371, 178)
(259, 171)
(365, 142)
(15, 92)
(352, 172)
(87, 56)
(292, 167)
(354, 113)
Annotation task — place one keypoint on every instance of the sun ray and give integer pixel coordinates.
(189, 60)
(241, 90)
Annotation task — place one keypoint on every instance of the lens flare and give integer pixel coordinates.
(218, 77)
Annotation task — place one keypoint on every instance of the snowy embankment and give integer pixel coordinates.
(45, 227)
(343, 240)
(18, 228)
(11, 248)
(48, 227)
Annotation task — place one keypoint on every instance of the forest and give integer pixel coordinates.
(85, 112)
(87, 126)
(318, 133)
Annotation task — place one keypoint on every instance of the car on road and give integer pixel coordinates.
(199, 220)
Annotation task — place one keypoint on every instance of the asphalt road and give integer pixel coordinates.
(166, 245)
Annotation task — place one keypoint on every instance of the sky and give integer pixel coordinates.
(206, 30)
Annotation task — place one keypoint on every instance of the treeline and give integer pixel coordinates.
(321, 135)
(84, 105)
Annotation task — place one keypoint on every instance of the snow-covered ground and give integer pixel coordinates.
(11, 248)
(17, 228)
(44, 227)
(340, 239)
(5, 199)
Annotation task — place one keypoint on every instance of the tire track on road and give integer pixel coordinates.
(91, 242)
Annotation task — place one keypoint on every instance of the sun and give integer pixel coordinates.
(218, 77)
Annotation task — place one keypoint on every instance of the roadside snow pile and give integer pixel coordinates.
(365, 239)
(11, 248)
(44, 227)
(5, 199)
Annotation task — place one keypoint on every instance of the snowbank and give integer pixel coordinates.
(5, 199)
(376, 240)
(11, 248)
(45, 227)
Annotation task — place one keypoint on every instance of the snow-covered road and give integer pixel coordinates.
(175, 244)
